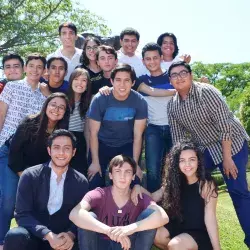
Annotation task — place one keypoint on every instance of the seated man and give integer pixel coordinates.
(116, 122)
(116, 223)
(57, 69)
(46, 194)
(12, 69)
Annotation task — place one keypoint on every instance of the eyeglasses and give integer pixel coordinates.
(182, 74)
(15, 66)
(59, 108)
(91, 48)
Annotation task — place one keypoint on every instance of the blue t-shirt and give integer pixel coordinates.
(157, 106)
(117, 117)
(63, 88)
(158, 82)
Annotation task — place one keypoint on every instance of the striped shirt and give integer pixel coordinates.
(21, 101)
(205, 117)
(76, 122)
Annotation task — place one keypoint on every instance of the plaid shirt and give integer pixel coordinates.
(205, 117)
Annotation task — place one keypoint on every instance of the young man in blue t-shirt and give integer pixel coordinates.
(116, 122)
(157, 135)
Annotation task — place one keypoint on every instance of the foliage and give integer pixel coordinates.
(28, 25)
(245, 110)
(231, 79)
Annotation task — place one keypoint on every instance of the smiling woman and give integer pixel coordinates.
(79, 95)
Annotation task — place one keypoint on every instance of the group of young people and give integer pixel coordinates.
(71, 139)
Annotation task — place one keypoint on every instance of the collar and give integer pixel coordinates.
(37, 88)
(190, 94)
(53, 173)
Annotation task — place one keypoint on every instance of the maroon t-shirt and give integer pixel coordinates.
(104, 206)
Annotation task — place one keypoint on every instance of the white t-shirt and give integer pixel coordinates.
(165, 65)
(72, 63)
(134, 61)
(22, 101)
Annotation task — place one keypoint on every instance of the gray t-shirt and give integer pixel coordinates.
(117, 117)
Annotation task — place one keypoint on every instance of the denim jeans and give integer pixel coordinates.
(89, 240)
(158, 142)
(8, 187)
(238, 188)
(106, 153)
(18, 238)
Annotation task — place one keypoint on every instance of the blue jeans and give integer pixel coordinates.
(158, 142)
(106, 153)
(8, 187)
(238, 189)
(19, 238)
(89, 240)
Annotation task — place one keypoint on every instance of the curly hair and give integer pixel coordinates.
(174, 179)
(85, 97)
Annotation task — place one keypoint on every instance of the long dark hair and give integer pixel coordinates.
(85, 96)
(84, 59)
(174, 179)
(36, 125)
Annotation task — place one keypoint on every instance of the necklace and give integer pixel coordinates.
(119, 211)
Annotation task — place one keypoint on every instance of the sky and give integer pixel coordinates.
(211, 31)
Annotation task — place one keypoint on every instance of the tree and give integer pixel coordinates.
(230, 79)
(245, 110)
(28, 25)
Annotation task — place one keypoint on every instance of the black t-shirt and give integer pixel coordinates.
(93, 76)
(96, 85)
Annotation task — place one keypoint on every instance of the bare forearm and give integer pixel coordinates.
(212, 229)
(154, 91)
(2, 118)
(145, 191)
(87, 134)
(94, 147)
(226, 149)
(85, 220)
(137, 148)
